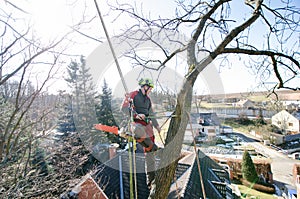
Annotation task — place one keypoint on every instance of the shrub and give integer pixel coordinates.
(248, 169)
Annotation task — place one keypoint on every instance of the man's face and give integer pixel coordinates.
(148, 89)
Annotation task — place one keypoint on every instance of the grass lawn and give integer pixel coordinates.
(247, 192)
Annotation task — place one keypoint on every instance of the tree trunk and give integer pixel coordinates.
(174, 140)
(177, 128)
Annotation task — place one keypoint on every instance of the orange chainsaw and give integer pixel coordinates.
(112, 129)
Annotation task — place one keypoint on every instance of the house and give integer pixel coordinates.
(208, 124)
(231, 100)
(291, 104)
(114, 177)
(226, 129)
(245, 103)
(196, 176)
(289, 123)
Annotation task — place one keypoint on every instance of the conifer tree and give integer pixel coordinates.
(79, 110)
(104, 111)
(248, 169)
(66, 121)
(82, 93)
(260, 118)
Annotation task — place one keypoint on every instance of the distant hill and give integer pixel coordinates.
(283, 95)
(289, 95)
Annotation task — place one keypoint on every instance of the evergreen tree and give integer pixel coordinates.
(83, 104)
(38, 161)
(66, 112)
(248, 168)
(104, 111)
(66, 121)
(72, 78)
(260, 118)
(82, 94)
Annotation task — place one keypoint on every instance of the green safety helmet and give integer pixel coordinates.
(146, 81)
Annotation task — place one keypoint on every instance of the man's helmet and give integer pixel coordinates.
(146, 81)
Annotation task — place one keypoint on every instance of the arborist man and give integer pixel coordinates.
(138, 103)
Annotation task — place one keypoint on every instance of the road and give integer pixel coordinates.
(282, 165)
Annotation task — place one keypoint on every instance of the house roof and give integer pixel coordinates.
(114, 175)
(187, 182)
(108, 176)
(214, 178)
(296, 114)
(186, 185)
(245, 102)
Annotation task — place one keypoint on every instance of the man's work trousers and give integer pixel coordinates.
(145, 136)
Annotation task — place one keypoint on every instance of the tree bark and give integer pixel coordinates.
(171, 152)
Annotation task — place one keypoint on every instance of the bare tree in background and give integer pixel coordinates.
(27, 65)
(19, 57)
(263, 36)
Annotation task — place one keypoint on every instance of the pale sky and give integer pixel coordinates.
(52, 17)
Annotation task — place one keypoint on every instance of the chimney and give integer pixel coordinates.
(112, 150)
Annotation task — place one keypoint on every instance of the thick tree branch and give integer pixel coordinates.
(261, 52)
(274, 61)
(192, 61)
(206, 17)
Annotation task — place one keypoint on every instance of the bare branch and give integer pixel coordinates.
(261, 52)
(236, 31)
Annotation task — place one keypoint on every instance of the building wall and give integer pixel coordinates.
(286, 121)
(210, 131)
(262, 168)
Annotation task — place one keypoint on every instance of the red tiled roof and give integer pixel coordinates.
(90, 190)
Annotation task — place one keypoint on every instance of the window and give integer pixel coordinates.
(290, 124)
(211, 130)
